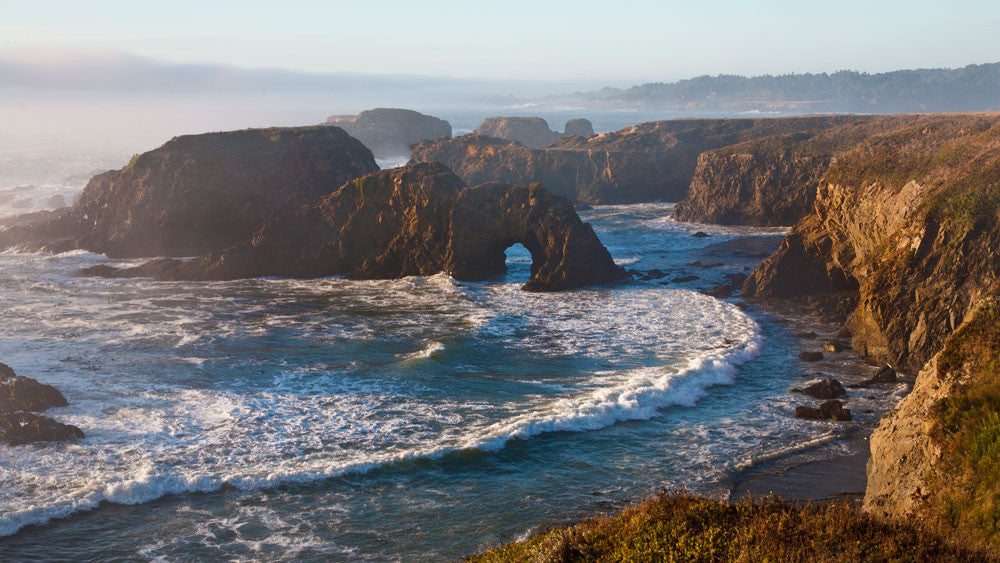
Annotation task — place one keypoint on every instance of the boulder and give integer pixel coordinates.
(884, 375)
(57, 201)
(828, 388)
(199, 193)
(25, 394)
(415, 220)
(810, 356)
(701, 234)
(685, 279)
(829, 410)
(389, 132)
(19, 428)
(834, 347)
(720, 291)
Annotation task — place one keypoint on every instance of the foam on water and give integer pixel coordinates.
(159, 422)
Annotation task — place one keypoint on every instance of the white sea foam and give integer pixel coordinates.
(147, 437)
(427, 352)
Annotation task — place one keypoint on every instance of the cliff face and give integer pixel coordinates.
(531, 131)
(389, 131)
(909, 222)
(772, 181)
(415, 220)
(647, 162)
(199, 193)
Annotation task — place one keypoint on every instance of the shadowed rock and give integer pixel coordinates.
(19, 394)
(391, 131)
(829, 388)
(829, 410)
(19, 428)
(25, 394)
(645, 162)
(199, 193)
(415, 220)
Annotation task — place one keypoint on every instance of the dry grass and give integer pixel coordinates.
(681, 527)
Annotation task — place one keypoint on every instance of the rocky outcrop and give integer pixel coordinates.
(772, 181)
(903, 222)
(529, 131)
(579, 127)
(389, 132)
(647, 162)
(909, 223)
(25, 394)
(199, 193)
(20, 398)
(19, 428)
(415, 220)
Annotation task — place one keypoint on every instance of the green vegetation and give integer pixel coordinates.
(966, 493)
(678, 527)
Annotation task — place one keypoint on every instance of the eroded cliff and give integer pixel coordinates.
(199, 193)
(908, 222)
(389, 132)
(772, 181)
(416, 220)
(646, 162)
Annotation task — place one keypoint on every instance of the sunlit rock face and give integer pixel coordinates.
(419, 220)
(652, 161)
(199, 193)
(389, 132)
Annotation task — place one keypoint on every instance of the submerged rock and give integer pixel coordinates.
(389, 132)
(416, 220)
(199, 193)
(810, 356)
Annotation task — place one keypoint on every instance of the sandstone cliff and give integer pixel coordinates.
(772, 181)
(531, 131)
(646, 162)
(909, 223)
(415, 220)
(199, 193)
(390, 131)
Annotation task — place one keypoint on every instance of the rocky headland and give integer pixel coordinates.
(198, 193)
(416, 220)
(389, 132)
(653, 161)
(21, 398)
(531, 131)
(905, 230)
(772, 181)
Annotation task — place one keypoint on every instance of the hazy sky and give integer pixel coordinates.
(618, 42)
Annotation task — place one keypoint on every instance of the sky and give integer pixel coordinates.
(615, 43)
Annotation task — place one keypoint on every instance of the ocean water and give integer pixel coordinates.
(413, 419)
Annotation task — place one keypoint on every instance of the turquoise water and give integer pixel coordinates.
(409, 419)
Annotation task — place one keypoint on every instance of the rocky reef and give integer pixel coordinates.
(907, 224)
(416, 220)
(531, 131)
(389, 132)
(198, 193)
(22, 397)
(646, 162)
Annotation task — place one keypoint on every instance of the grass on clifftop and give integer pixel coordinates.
(678, 527)
(966, 492)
